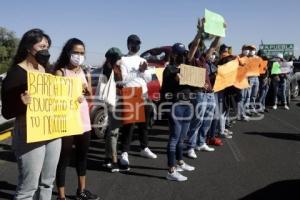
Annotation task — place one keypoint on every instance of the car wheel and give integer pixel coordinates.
(100, 123)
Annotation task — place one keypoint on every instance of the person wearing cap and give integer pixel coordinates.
(254, 86)
(242, 96)
(133, 68)
(112, 65)
(179, 117)
(279, 81)
(264, 83)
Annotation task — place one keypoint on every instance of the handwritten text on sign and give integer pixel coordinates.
(54, 110)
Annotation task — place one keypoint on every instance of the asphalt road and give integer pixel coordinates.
(262, 161)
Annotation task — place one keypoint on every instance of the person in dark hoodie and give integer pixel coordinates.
(180, 114)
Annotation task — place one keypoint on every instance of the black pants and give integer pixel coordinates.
(81, 143)
(143, 131)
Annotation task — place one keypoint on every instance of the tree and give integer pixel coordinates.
(8, 46)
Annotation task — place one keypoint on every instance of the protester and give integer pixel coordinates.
(279, 82)
(264, 83)
(36, 162)
(133, 68)
(69, 65)
(254, 86)
(180, 114)
(112, 65)
(242, 97)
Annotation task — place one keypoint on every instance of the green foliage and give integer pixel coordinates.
(8, 47)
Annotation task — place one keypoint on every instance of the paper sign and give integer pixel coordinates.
(214, 24)
(275, 68)
(241, 79)
(159, 73)
(226, 75)
(133, 105)
(253, 66)
(192, 76)
(286, 67)
(54, 110)
(263, 66)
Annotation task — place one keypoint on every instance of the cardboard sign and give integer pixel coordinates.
(226, 75)
(253, 66)
(192, 76)
(133, 106)
(159, 73)
(214, 24)
(54, 110)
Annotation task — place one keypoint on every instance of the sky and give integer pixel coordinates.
(103, 24)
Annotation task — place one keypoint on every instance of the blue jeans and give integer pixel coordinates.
(204, 106)
(264, 88)
(253, 91)
(280, 86)
(242, 100)
(179, 123)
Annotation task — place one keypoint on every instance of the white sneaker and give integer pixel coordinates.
(176, 176)
(275, 107)
(124, 159)
(286, 107)
(205, 147)
(147, 153)
(184, 167)
(228, 132)
(191, 154)
(226, 135)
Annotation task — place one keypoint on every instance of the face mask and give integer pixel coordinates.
(180, 60)
(252, 53)
(246, 52)
(212, 58)
(42, 57)
(135, 48)
(76, 59)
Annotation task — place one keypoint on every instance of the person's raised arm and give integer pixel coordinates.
(197, 40)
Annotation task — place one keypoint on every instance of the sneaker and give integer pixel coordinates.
(228, 132)
(86, 195)
(225, 135)
(107, 163)
(204, 147)
(286, 107)
(191, 154)
(215, 142)
(184, 167)
(244, 118)
(124, 168)
(275, 107)
(176, 176)
(147, 153)
(114, 168)
(124, 159)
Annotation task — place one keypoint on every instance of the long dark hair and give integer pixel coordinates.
(64, 58)
(29, 39)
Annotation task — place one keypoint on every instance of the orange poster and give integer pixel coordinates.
(226, 75)
(241, 78)
(133, 105)
(253, 66)
(263, 66)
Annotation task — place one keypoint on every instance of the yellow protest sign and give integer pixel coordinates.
(226, 75)
(54, 110)
(241, 78)
(263, 66)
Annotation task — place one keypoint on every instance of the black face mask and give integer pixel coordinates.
(180, 60)
(42, 57)
(135, 48)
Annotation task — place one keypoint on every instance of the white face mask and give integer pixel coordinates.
(212, 58)
(246, 52)
(252, 53)
(76, 59)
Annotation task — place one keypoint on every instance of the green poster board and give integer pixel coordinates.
(214, 24)
(276, 68)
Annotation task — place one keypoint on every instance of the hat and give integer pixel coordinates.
(179, 48)
(113, 53)
(280, 55)
(134, 39)
(252, 47)
(224, 48)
